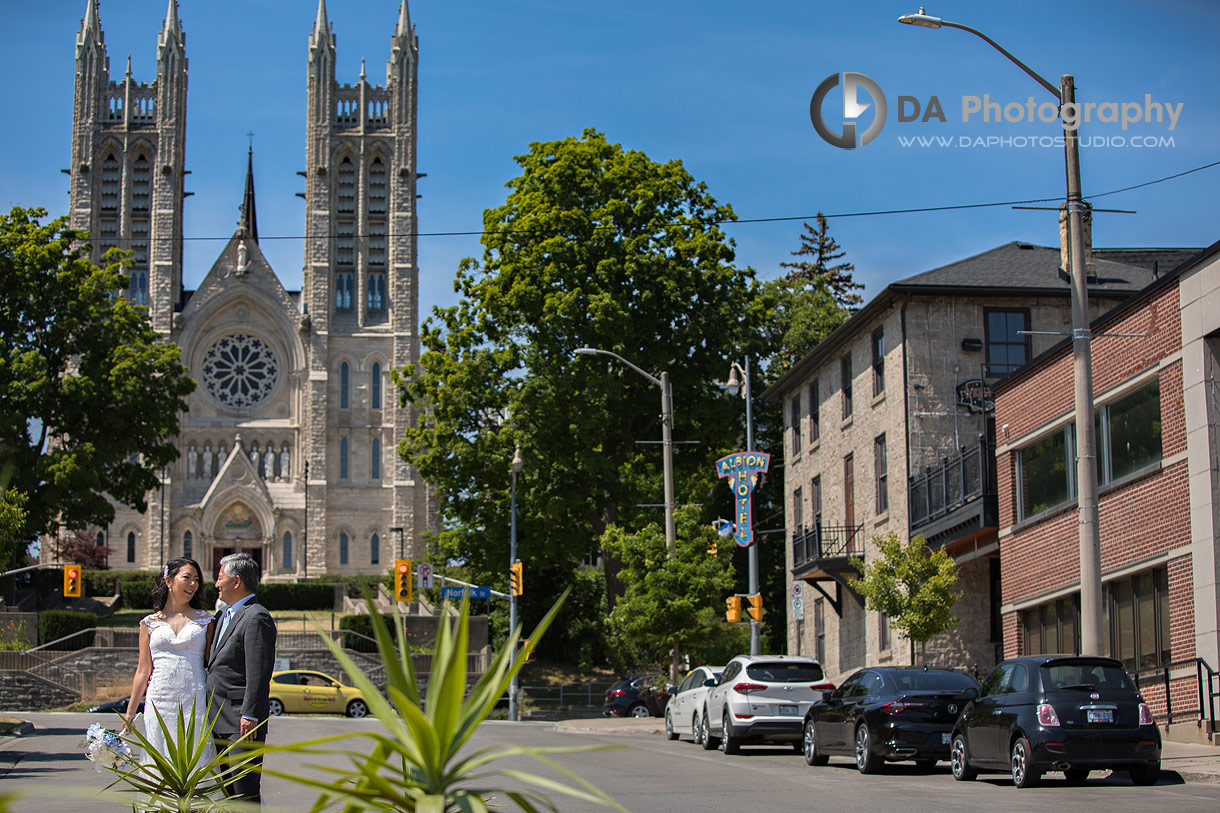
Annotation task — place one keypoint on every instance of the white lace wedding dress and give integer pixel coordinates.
(178, 679)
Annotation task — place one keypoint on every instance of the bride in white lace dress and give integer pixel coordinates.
(174, 642)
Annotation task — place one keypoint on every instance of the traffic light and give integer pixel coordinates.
(402, 579)
(516, 576)
(756, 611)
(71, 581)
(525, 647)
(733, 612)
(712, 548)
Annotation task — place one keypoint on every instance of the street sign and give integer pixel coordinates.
(425, 576)
(798, 590)
(458, 592)
(798, 606)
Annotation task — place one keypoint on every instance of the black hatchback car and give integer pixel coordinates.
(887, 714)
(1065, 713)
(635, 697)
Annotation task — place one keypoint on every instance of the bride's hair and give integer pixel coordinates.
(160, 591)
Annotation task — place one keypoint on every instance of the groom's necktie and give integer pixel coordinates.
(224, 624)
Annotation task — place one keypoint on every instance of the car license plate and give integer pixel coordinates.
(1099, 715)
(944, 738)
(786, 710)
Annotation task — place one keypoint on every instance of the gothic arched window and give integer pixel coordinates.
(375, 466)
(342, 549)
(286, 558)
(101, 539)
(131, 546)
(344, 381)
(376, 386)
(375, 550)
(188, 546)
(342, 458)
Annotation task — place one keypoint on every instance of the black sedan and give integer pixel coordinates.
(892, 714)
(643, 696)
(1057, 713)
(117, 705)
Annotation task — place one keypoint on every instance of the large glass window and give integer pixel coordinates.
(1046, 473)
(845, 376)
(1052, 628)
(1139, 619)
(1007, 347)
(1131, 433)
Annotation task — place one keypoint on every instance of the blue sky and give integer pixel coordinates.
(723, 86)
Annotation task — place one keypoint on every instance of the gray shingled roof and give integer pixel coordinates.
(1024, 266)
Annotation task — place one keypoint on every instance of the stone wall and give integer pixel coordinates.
(21, 691)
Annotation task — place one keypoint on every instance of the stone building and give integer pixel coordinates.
(1157, 407)
(288, 447)
(889, 430)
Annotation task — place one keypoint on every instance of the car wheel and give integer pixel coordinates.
(670, 734)
(696, 729)
(959, 762)
(1024, 774)
(809, 743)
(638, 710)
(866, 760)
(728, 743)
(706, 739)
(274, 707)
(1076, 776)
(1145, 774)
(357, 708)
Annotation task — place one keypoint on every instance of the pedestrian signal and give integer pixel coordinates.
(516, 577)
(733, 612)
(756, 610)
(71, 581)
(402, 579)
(528, 650)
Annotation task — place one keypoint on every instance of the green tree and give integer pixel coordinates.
(12, 528)
(671, 603)
(594, 246)
(822, 270)
(911, 585)
(91, 393)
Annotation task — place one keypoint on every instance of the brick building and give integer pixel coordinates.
(1157, 408)
(888, 429)
(288, 444)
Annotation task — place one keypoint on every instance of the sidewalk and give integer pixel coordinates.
(1194, 763)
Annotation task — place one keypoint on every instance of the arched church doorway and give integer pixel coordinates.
(237, 530)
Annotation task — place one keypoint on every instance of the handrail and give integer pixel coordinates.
(90, 630)
(1208, 695)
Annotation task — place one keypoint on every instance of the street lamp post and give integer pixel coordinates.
(401, 544)
(667, 422)
(734, 386)
(1091, 626)
(516, 466)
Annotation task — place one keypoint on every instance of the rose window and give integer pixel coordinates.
(240, 371)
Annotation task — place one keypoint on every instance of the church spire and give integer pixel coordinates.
(404, 20)
(172, 25)
(321, 25)
(249, 217)
(91, 21)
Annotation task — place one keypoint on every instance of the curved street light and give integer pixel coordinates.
(1092, 632)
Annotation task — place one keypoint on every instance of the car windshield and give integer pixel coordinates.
(785, 672)
(932, 680)
(1085, 676)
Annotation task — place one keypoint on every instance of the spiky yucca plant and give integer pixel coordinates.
(417, 764)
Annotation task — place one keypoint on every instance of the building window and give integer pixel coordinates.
(131, 546)
(101, 539)
(815, 423)
(883, 631)
(1045, 474)
(878, 361)
(1007, 347)
(137, 288)
(375, 388)
(881, 469)
(1138, 609)
(344, 382)
(794, 422)
(188, 546)
(345, 291)
(375, 550)
(286, 558)
(376, 292)
(819, 630)
(798, 512)
(1130, 433)
(342, 458)
(342, 549)
(375, 460)
(849, 492)
(815, 501)
(845, 375)
(1053, 627)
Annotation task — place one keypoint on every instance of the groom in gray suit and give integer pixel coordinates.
(239, 666)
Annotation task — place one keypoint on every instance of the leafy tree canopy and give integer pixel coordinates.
(594, 246)
(91, 393)
(913, 587)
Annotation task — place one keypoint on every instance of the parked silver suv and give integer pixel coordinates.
(761, 698)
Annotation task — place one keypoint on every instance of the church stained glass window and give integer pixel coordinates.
(240, 371)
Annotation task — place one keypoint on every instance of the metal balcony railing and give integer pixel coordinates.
(964, 476)
(822, 542)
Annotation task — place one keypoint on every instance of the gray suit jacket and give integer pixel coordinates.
(239, 670)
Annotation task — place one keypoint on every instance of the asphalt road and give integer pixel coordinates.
(648, 773)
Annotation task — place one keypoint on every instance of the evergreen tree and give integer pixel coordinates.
(822, 270)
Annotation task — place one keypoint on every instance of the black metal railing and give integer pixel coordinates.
(964, 476)
(1207, 681)
(822, 542)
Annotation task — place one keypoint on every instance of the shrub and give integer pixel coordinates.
(297, 596)
(108, 582)
(55, 624)
(356, 585)
(363, 625)
(137, 594)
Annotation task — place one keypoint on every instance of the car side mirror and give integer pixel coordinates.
(826, 696)
(971, 693)
(710, 682)
(670, 689)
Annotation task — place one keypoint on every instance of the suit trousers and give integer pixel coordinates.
(246, 787)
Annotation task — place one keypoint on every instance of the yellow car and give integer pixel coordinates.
(302, 691)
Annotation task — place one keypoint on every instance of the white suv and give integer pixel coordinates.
(761, 698)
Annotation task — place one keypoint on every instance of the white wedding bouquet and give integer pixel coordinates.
(105, 749)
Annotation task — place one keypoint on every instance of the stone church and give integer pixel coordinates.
(288, 448)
